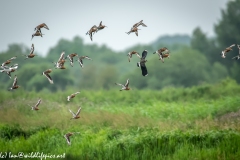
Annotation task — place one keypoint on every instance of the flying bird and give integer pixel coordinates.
(100, 27)
(163, 53)
(70, 57)
(10, 69)
(46, 74)
(131, 53)
(142, 63)
(8, 61)
(67, 137)
(75, 116)
(31, 54)
(124, 87)
(81, 58)
(238, 56)
(139, 23)
(224, 52)
(60, 63)
(91, 31)
(72, 96)
(36, 105)
(134, 29)
(38, 28)
(14, 86)
(37, 33)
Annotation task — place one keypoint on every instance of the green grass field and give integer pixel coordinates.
(174, 123)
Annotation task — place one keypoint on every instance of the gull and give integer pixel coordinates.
(124, 87)
(131, 53)
(142, 63)
(81, 58)
(46, 74)
(75, 116)
(72, 96)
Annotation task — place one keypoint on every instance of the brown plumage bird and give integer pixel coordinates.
(72, 96)
(75, 116)
(31, 55)
(36, 105)
(92, 30)
(70, 57)
(124, 87)
(37, 33)
(8, 61)
(134, 29)
(131, 53)
(139, 23)
(100, 26)
(14, 86)
(224, 52)
(163, 53)
(68, 135)
(38, 28)
(81, 58)
(46, 74)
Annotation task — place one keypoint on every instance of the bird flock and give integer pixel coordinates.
(162, 53)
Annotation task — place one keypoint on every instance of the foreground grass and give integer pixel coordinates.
(169, 124)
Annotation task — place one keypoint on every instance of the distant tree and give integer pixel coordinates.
(227, 29)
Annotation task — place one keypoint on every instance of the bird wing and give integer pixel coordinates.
(68, 139)
(13, 58)
(136, 32)
(120, 85)
(74, 115)
(79, 110)
(61, 56)
(48, 77)
(39, 101)
(80, 62)
(144, 69)
(232, 45)
(138, 55)
(15, 81)
(88, 58)
(45, 26)
(71, 60)
(144, 25)
(127, 83)
(144, 54)
(32, 49)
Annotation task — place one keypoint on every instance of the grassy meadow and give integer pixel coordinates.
(200, 122)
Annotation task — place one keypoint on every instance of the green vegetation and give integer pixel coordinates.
(174, 123)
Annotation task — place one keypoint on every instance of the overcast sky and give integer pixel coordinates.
(70, 18)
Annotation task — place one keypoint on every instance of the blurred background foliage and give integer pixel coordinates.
(194, 60)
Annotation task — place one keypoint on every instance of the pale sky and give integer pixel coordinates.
(69, 18)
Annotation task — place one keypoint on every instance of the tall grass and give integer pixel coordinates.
(174, 123)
